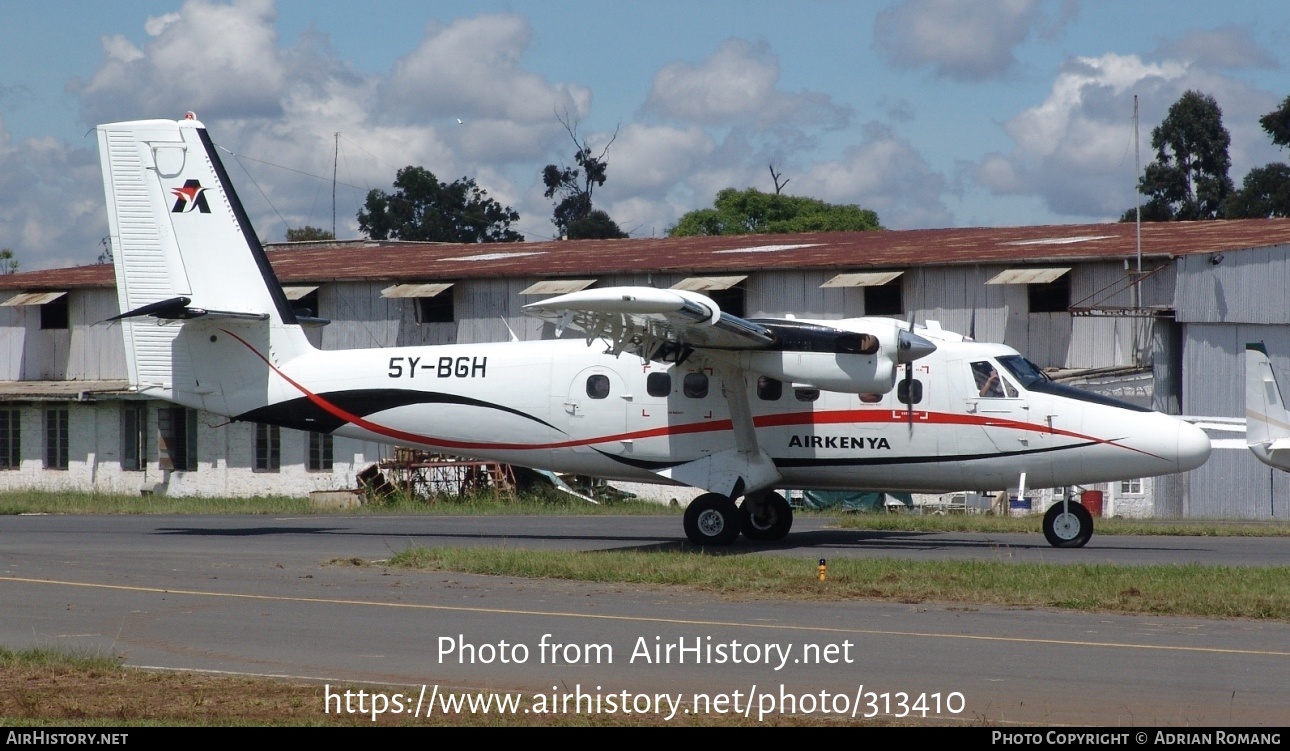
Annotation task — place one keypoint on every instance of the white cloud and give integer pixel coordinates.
(1230, 47)
(884, 173)
(51, 202)
(967, 40)
(471, 69)
(210, 58)
(1075, 149)
(737, 83)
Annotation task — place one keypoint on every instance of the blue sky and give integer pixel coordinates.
(931, 112)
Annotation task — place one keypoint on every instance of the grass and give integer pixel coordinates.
(1033, 523)
(33, 502)
(1194, 590)
(40, 687)
(559, 504)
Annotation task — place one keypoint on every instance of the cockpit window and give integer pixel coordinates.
(1023, 370)
(989, 383)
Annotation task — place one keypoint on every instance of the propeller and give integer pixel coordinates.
(909, 375)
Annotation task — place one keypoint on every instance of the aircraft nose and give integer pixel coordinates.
(1193, 446)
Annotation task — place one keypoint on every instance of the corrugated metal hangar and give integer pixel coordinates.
(1070, 298)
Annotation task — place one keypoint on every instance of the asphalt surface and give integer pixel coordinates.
(265, 595)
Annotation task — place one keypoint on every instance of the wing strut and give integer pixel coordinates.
(746, 468)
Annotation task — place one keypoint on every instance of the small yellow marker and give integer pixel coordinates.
(824, 567)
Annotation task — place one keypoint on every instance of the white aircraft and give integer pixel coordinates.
(665, 388)
(1267, 422)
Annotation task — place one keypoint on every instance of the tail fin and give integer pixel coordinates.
(1267, 422)
(184, 250)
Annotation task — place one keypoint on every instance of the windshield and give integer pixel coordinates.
(1023, 370)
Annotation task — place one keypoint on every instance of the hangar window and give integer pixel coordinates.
(885, 300)
(268, 448)
(598, 386)
(177, 430)
(54, 315)
(658, 384)
(10, 445)
(320, 452)
(769, 389)
(134, 437)
(695, 385)
(1053, 297)
(909, 392)
(56, 430)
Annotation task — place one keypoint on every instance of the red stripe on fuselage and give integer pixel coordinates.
(831, 417)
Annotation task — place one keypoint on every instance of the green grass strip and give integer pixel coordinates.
(1207, 591)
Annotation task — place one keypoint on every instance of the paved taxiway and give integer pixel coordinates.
(254, 594)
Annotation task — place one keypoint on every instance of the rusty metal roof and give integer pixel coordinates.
(367, 260)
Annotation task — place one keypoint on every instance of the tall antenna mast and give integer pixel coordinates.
(1137, 175)
(335, 157)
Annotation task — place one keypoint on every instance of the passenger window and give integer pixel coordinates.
(909, 392)
(806, 395)
(598, 386)
(871, 398)
(695, 385)
(769, 389)
(658, 384)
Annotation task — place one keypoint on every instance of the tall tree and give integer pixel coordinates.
(1265, 192)
(750, 212)
(1188, 180)
(423, 208)
(8, 261)
(574, 186)
(308, 233)
(1277, 123)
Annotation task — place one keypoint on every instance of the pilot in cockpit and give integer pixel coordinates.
(988, 382)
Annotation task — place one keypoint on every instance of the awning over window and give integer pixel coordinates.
(32, 298)
(415, 290)
(865, 279)
(1028, 276)
(558, 286)
(295, 293)
(708, 283)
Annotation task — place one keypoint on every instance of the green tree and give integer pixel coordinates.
(596, 225)
(8, 261)
(1188, 180)
(751, 212)
(571, 189)
(1277, 123)
(309, 233)
(1265, 192)
(423, 208)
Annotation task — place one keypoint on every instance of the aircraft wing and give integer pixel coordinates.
(657, 324)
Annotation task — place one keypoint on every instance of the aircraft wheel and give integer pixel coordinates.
(712, 519)
(769, 520)
(1069, 528)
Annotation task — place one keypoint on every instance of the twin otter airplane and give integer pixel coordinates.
(665, 387)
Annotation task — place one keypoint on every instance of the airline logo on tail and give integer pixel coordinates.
(191, 196)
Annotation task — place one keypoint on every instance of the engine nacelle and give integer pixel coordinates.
(862, 358)
(831, 371)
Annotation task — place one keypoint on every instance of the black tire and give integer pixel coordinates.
(774, 522)
(712, 519)
(1068, 528)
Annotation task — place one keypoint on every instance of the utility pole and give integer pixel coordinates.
(335, 157)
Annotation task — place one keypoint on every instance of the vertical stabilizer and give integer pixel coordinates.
(186, 258)
(1267, 423)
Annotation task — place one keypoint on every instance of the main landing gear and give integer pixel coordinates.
(714, 519)
(1068, 525)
